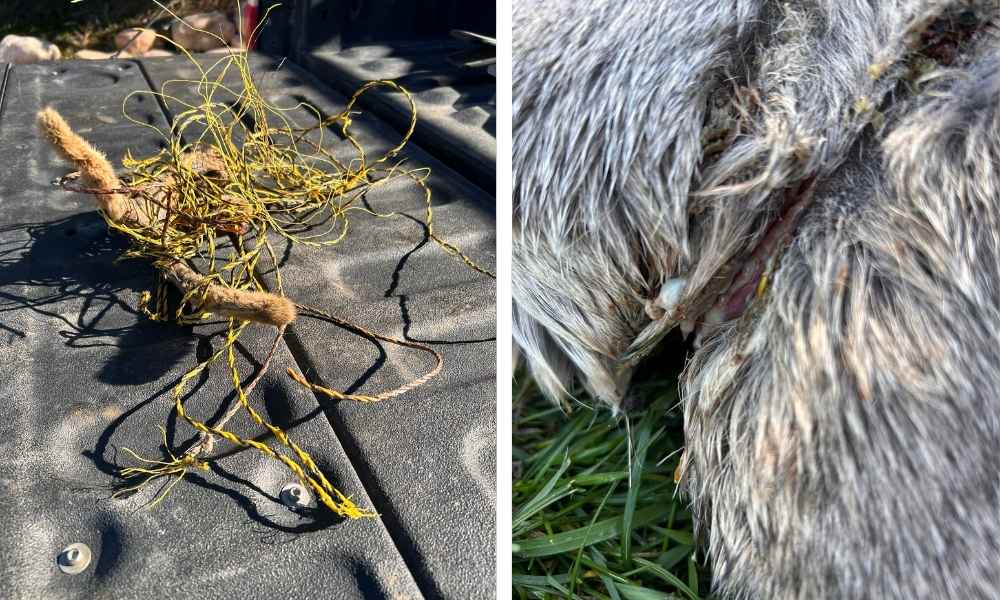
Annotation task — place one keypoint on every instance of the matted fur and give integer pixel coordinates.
(842, 442)
(843, 434)
(95, 170)
(610, 202)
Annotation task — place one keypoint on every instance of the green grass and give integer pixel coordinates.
(580, 529)
(90, 23)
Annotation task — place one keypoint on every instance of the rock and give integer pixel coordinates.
(91, 54)
(98, 55)
(144, 39)
(225, 51)
(86, 54)
(157, 53)
(24, 49)
(184, 32)
(234, 40)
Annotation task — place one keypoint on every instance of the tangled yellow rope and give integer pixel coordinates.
(248, 184)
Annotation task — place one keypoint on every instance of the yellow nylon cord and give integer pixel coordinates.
(251, 173)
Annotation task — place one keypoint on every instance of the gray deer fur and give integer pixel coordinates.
(843, 432)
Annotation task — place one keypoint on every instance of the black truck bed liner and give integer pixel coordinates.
(85, 375)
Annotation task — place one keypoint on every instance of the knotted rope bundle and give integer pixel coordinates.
(248, 184)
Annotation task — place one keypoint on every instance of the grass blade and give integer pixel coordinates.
(673, 557)
(546, 496)
(584, 536)
(693, 576)
(642, 445)
(635, 592)
(669, 577)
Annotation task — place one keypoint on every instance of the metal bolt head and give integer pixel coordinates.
(74, 559)
(295, 495)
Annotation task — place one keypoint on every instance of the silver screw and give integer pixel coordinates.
(294, 494)
(74, 559)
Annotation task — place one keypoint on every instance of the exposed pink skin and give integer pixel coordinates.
(734, 302)
(740, 298)
(741, 290)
